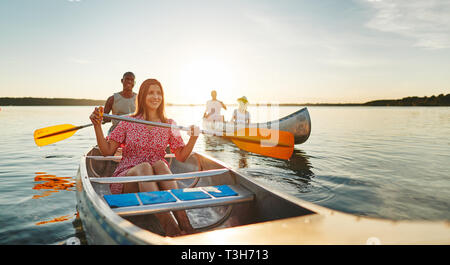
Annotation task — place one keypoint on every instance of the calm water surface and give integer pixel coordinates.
(385, 162)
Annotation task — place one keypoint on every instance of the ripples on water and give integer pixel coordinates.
(385, 162)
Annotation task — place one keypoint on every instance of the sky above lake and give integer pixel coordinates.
(269, 51)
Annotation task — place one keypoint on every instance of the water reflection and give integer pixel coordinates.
(243, 159)
(56, 219)
(51, 184)
(296, 171)
(79, 232)
(294, 176)
(298, 167)
(218, 146)
(299, 163)
(214, 144)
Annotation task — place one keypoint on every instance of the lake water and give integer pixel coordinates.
(384, 162)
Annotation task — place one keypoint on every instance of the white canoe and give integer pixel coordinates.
(250, 214)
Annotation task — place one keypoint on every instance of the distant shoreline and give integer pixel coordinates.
(28, 101)
(440, 100)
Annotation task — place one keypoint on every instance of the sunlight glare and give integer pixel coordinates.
(202, 75)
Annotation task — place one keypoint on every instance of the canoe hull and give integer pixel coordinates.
(297, 123)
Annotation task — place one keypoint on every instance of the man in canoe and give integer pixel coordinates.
(123, 102)
(144, 150)
(213, 108)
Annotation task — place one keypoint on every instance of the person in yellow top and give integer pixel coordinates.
(123, 102)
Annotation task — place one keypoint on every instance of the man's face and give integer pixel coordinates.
(128, 82)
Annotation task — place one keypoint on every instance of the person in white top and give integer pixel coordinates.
(213, 108)
(241, 115)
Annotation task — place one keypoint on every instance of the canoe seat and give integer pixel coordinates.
(180, 176)
(130, 204)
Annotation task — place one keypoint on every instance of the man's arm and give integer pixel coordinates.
(108, 107)
(223, 105)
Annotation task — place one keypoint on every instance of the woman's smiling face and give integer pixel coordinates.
(154, 97)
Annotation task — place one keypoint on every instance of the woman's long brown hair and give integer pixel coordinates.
(140, 100)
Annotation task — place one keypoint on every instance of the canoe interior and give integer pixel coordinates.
(265, 206)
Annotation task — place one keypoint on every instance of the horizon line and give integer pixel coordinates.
(85, 101)
(233, 104)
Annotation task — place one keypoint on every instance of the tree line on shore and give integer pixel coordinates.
(440, 100)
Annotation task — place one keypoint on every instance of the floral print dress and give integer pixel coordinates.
(142, 144)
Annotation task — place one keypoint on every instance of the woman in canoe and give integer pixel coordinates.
(144, 150)
(241, 115)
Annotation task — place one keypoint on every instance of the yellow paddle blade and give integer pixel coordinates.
(267, 142)
(53, 134)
